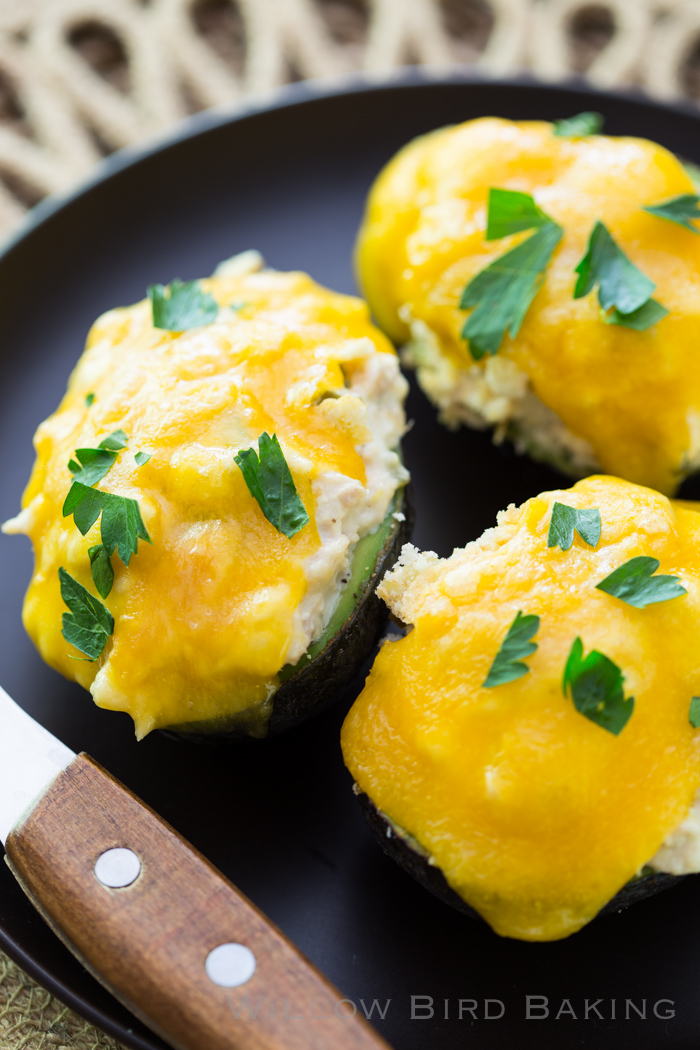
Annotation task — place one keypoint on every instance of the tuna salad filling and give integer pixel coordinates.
(496, 394)
(346, 510)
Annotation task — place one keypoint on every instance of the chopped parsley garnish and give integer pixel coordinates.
(566, 520)
(596, 689)
(89, 399)
(270, 482)
(142, 457)
(121, 526)
(115, 441)
(640, 319)
(683, 210)
(101, 569)
(622, 288)
(181, 305)
(510, 211)
(580, 126)
(94, 463)
(516, 646)
(89, 623)
(503, 291)
(694, 712)
(635, 583)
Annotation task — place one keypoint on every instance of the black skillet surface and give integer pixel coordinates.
(279, 818)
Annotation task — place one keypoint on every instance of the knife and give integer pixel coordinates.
(149, 916)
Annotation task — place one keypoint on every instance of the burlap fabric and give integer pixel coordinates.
(31, 1019)
(82, 78)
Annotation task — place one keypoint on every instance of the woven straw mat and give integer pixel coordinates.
(82, 78)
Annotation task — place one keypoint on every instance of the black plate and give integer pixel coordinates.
(279, 818)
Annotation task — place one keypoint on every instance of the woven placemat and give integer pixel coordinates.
(31, 1019)
(82, 78)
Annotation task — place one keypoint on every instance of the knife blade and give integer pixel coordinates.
(30, 757)
(164, 931)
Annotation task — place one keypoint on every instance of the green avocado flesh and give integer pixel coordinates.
(333, 659)
(364, 562)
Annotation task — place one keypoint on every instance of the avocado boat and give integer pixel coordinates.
(544, 282)
(332, 661)
(529, 749)
(409, 855)
(214, 502)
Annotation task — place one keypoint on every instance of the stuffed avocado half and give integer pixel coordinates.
(545, 281)
(530, 749)
(214, 501)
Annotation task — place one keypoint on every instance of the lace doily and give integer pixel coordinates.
(80, 78)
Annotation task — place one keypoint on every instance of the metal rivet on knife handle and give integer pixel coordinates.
(230, 965)
(117, 868)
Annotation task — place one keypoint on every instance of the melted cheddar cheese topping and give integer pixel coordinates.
(631, 398)
(536, 815)
(208, 613)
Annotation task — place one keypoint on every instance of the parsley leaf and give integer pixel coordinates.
(694, 712)
(565, 520)
(94, 463)
(85, 504)
(503, 291)
(516, 646)
(89, 399)
(510, 211)
(683, 210)
(121, 526)
(580, 126)
(181, 305)
(596, 689)
(620, 284)
(101, 569)
(115, 441)
(634, 583)
(89, 623)
(640, 319)
(142, 457)
(270, 482)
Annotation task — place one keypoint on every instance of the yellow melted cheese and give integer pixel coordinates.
(536, 815)
(633, 396)
(204, 616)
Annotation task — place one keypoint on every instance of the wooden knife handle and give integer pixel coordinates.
(149, 942)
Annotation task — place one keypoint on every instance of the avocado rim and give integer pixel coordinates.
(410, 856)
(331, 662)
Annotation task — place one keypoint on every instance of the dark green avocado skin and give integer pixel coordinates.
(432, 879)
(307, 691)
